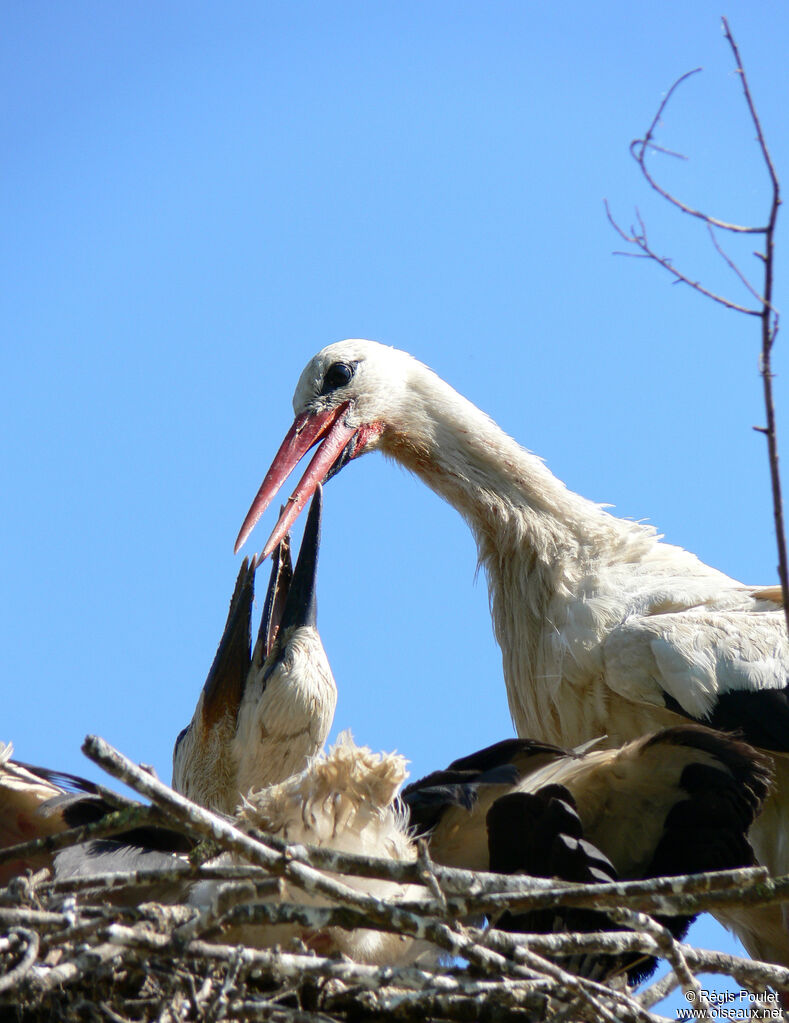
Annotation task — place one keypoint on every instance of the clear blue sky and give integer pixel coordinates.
(200, 196)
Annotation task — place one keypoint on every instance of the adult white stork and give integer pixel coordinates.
(604, 629)
(262, 713)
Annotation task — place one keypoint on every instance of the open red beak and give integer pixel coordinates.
(308, 428)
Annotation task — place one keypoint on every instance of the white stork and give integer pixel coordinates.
(261, 713)
(604, 629)
(678, 802)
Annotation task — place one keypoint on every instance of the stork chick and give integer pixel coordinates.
(347, 800)
(261, 713)
(604, 629)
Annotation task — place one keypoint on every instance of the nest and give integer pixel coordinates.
(102, 948)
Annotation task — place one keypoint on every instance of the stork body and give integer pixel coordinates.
(676, 802)
(36, 802)
(604, 629)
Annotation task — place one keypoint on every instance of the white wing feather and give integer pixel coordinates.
(694, 656)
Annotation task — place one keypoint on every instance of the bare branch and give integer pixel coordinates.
(765, 310)
(733, 267)
(640, 147)
(769, 325)
(639, 239)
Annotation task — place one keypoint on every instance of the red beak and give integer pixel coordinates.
(307, 430)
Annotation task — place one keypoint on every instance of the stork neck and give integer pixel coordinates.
(511, 501)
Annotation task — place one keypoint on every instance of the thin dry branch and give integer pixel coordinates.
(764, 308)
(640, 147)
(639, 239)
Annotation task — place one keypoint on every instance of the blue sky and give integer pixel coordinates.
(200, 196)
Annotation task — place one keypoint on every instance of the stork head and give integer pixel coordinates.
(205, 759)
(350, 398)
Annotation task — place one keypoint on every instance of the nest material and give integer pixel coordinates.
(70, 951)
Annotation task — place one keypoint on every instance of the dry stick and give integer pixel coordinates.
(671, 952)
(659, 990)
(272, 1012)
(769, 317)
(766, 312)
(500, 1003)
(180, 871)
(472, 889)
(662, 896)
(112, 824)
(583, 987)
(296, 967)
(450, 879)
(641, 241)
(225, 903)
(321, 917)
(427, 873)
(640, 147)
(45, 979)
(73, 934)
(747, 972)
(25, 964)
(733, 266)
(32, 918)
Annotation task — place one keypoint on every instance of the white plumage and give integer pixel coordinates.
(604, 629)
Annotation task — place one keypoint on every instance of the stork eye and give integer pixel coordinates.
(337, 375)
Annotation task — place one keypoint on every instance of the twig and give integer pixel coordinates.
(114, 823)
(640, 240)
(672, 952)
(765, 310)
(640, 147)
(770, 319)
(12, 978)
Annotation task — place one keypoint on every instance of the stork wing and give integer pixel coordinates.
(486, 773)
(729, 669)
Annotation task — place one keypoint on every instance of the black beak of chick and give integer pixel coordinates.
(291, 600)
